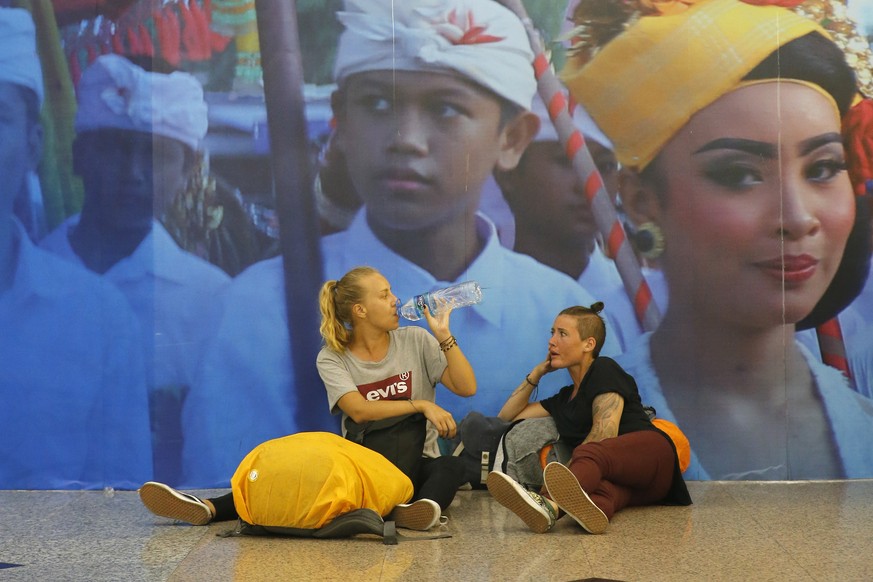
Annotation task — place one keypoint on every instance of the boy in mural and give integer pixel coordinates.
(554, 222)
(75, 411)
(137, 133)
(432, 97)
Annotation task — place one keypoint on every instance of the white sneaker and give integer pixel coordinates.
(530, 506)
(421, 515)
(165, 501)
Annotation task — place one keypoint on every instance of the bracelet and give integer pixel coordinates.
(527, 379)
(412, 404)
(448, 343)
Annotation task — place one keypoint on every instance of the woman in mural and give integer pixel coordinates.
(727, 118)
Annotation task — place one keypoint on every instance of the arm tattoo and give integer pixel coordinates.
(606, 414)
(522, 387)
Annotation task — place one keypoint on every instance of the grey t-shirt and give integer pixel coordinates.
(409, 371)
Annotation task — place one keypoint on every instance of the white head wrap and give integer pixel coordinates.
(478, 39)
(115, 93)
(581, 119)
(19, 62)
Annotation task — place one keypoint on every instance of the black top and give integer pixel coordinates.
(574, 418)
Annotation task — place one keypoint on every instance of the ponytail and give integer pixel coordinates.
(335, 301)
(334, 333)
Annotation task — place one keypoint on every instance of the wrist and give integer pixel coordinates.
(532, 380)
(448, 343)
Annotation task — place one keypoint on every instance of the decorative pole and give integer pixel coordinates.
(550, 90)
(833, 349)
(295, 203)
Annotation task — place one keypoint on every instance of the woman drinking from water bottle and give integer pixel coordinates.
(382, 379)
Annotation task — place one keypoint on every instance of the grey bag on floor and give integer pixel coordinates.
(519, 452)
(476, 445)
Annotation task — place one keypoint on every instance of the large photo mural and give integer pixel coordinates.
(180, 177)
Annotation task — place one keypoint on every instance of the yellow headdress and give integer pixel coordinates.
(642, 68)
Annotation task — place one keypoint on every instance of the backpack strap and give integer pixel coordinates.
(359, 521)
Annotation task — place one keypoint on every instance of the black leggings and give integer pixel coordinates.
(224, 508)
(436, 479)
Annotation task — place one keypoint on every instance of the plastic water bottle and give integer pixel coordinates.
(460, 295)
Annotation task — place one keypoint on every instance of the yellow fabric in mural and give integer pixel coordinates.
(306, 480)
(61, 189)
(645, 84)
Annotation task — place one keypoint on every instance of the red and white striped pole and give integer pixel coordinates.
(833, 348)
(551, 91)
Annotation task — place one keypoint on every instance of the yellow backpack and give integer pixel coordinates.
(299, 483)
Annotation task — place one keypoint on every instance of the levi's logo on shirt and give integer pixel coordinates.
(397, 387)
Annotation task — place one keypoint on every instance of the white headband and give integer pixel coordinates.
(581, 120)
(478, 39)
(19, 62)
(115, 93)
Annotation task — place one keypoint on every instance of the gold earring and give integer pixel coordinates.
(649, 240)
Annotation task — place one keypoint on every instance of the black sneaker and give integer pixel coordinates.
(530, 506)
(165, 501)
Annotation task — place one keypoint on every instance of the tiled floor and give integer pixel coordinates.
(734, 531)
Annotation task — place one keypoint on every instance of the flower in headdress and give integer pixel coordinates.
(834, 17)
(117, 99)
(858, 139)
(596, 23)
(463, 30)
(120, 95)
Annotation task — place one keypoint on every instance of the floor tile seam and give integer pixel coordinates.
(384, 573)
(202, 539)
(792, 557)
(747, 508)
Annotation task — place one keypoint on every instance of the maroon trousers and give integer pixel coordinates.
(631, 469)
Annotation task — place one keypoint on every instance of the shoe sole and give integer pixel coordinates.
(162, 501)
(565, 490)
(511, 496)
(420, 515)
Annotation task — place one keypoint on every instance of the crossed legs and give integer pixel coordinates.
(629, 470)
